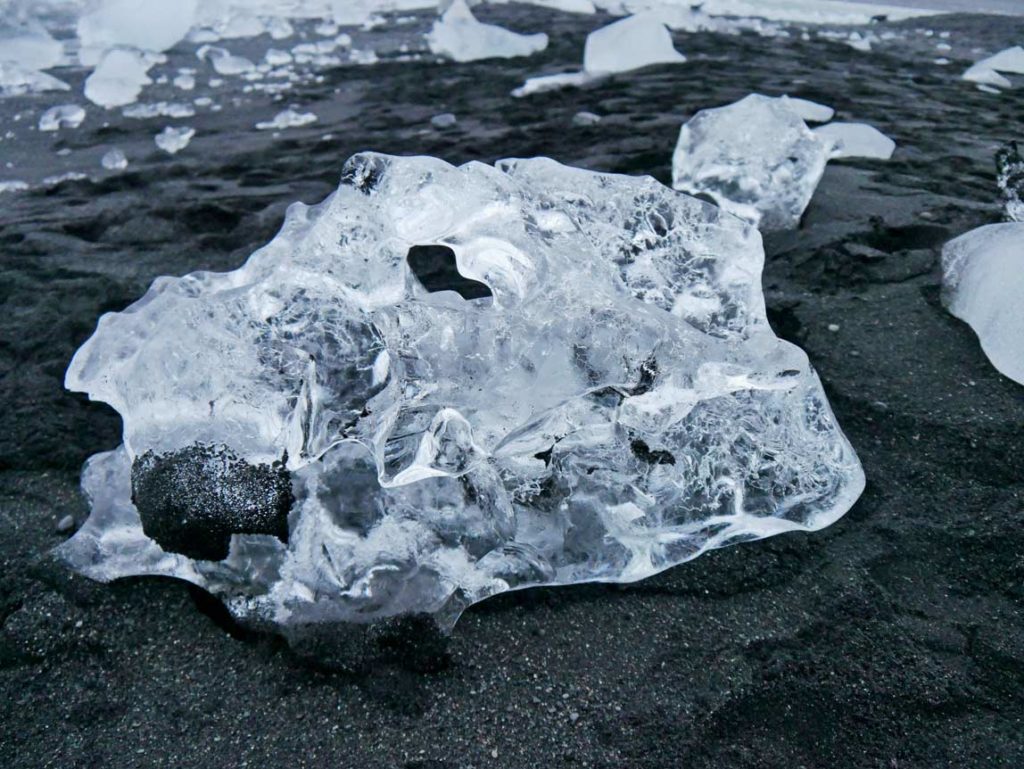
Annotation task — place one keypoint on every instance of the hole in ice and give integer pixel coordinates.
(436, 270)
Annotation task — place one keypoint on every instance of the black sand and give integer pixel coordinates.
(894, 639)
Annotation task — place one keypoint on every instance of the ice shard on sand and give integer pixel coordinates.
(446, 382)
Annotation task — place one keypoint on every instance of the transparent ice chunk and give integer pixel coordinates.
(447, 382)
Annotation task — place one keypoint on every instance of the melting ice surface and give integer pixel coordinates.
(983, 284)
(446, 382)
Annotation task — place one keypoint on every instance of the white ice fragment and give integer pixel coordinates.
(16, 80)
(983, 284)
(446, 382)
(809, 111)
(543, 83)
(288, 118)
(114, 160)
(444, 120)
(185, 81)
(1009, 60)
(12, 185)
(275, 57)
(224, 62)
(29, 46)
(986, 76)
(585, 119)
(857, 140)
(150, 26)
(756, 158)
(118, 79)
(63, 116)
(459, 36)
(173, 140)
(175, 110)
(634, 42)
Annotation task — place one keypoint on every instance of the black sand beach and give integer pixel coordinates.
(893, 639)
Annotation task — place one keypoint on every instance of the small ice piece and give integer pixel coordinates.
(444, 383)
(983, 284)
(154, 26)
(634, 42)
(186, 81)
(987, 89)
(459, 36)
(64, 116)
(118, 79)
(857, 140)
(114, 160)
(1010, 178)
(173, 140)
(444, 120)
(756, 158)
(543, 83)
(175, 110)
(224, 62)
(12, 185)
(275, 57)
(16, 80)
(585, 119)
(986, 76)
(288, 118)
(28, 45)
(809, 111)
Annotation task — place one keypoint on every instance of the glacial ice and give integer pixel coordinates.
(16, 80)
(445, 382)
(983, 285)
(459, 36)
(809, 111)
(155, 27)
(857, 140)
(173, 140)
(756, 158)
(63, 116)
(224, 62)
(630, 43)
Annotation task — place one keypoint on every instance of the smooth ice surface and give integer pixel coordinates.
(634, 42)
(118, 79)
(459, 36)
(983, 284)
(63, 116)
(1009, 60)
(756, 158)
(857, 140)
(596, 395)
(288, 118)
(809, 111)
(173, 140)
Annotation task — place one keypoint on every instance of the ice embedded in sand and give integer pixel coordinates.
(756, 158)
(459, 36)
(447, 382)
(983, 284)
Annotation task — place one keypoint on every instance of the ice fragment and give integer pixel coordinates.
(459, 36)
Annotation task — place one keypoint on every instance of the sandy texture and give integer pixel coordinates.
(894, 639)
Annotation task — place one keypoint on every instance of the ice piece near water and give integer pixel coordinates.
(809, 111)
(543, 83)
(28, 45)
(857, 140)
(118, 79)
(12, 185)
(1010, 178)
(176, 110)
(585, 119)
(288, 118)
(224, 62)
(446, 382)
(983, 285)
(173, 140)
(1009, 60)
(634, 42)
(114, 160)
(459, 36)
(156, 26)
(756, 158)
(63, 116)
